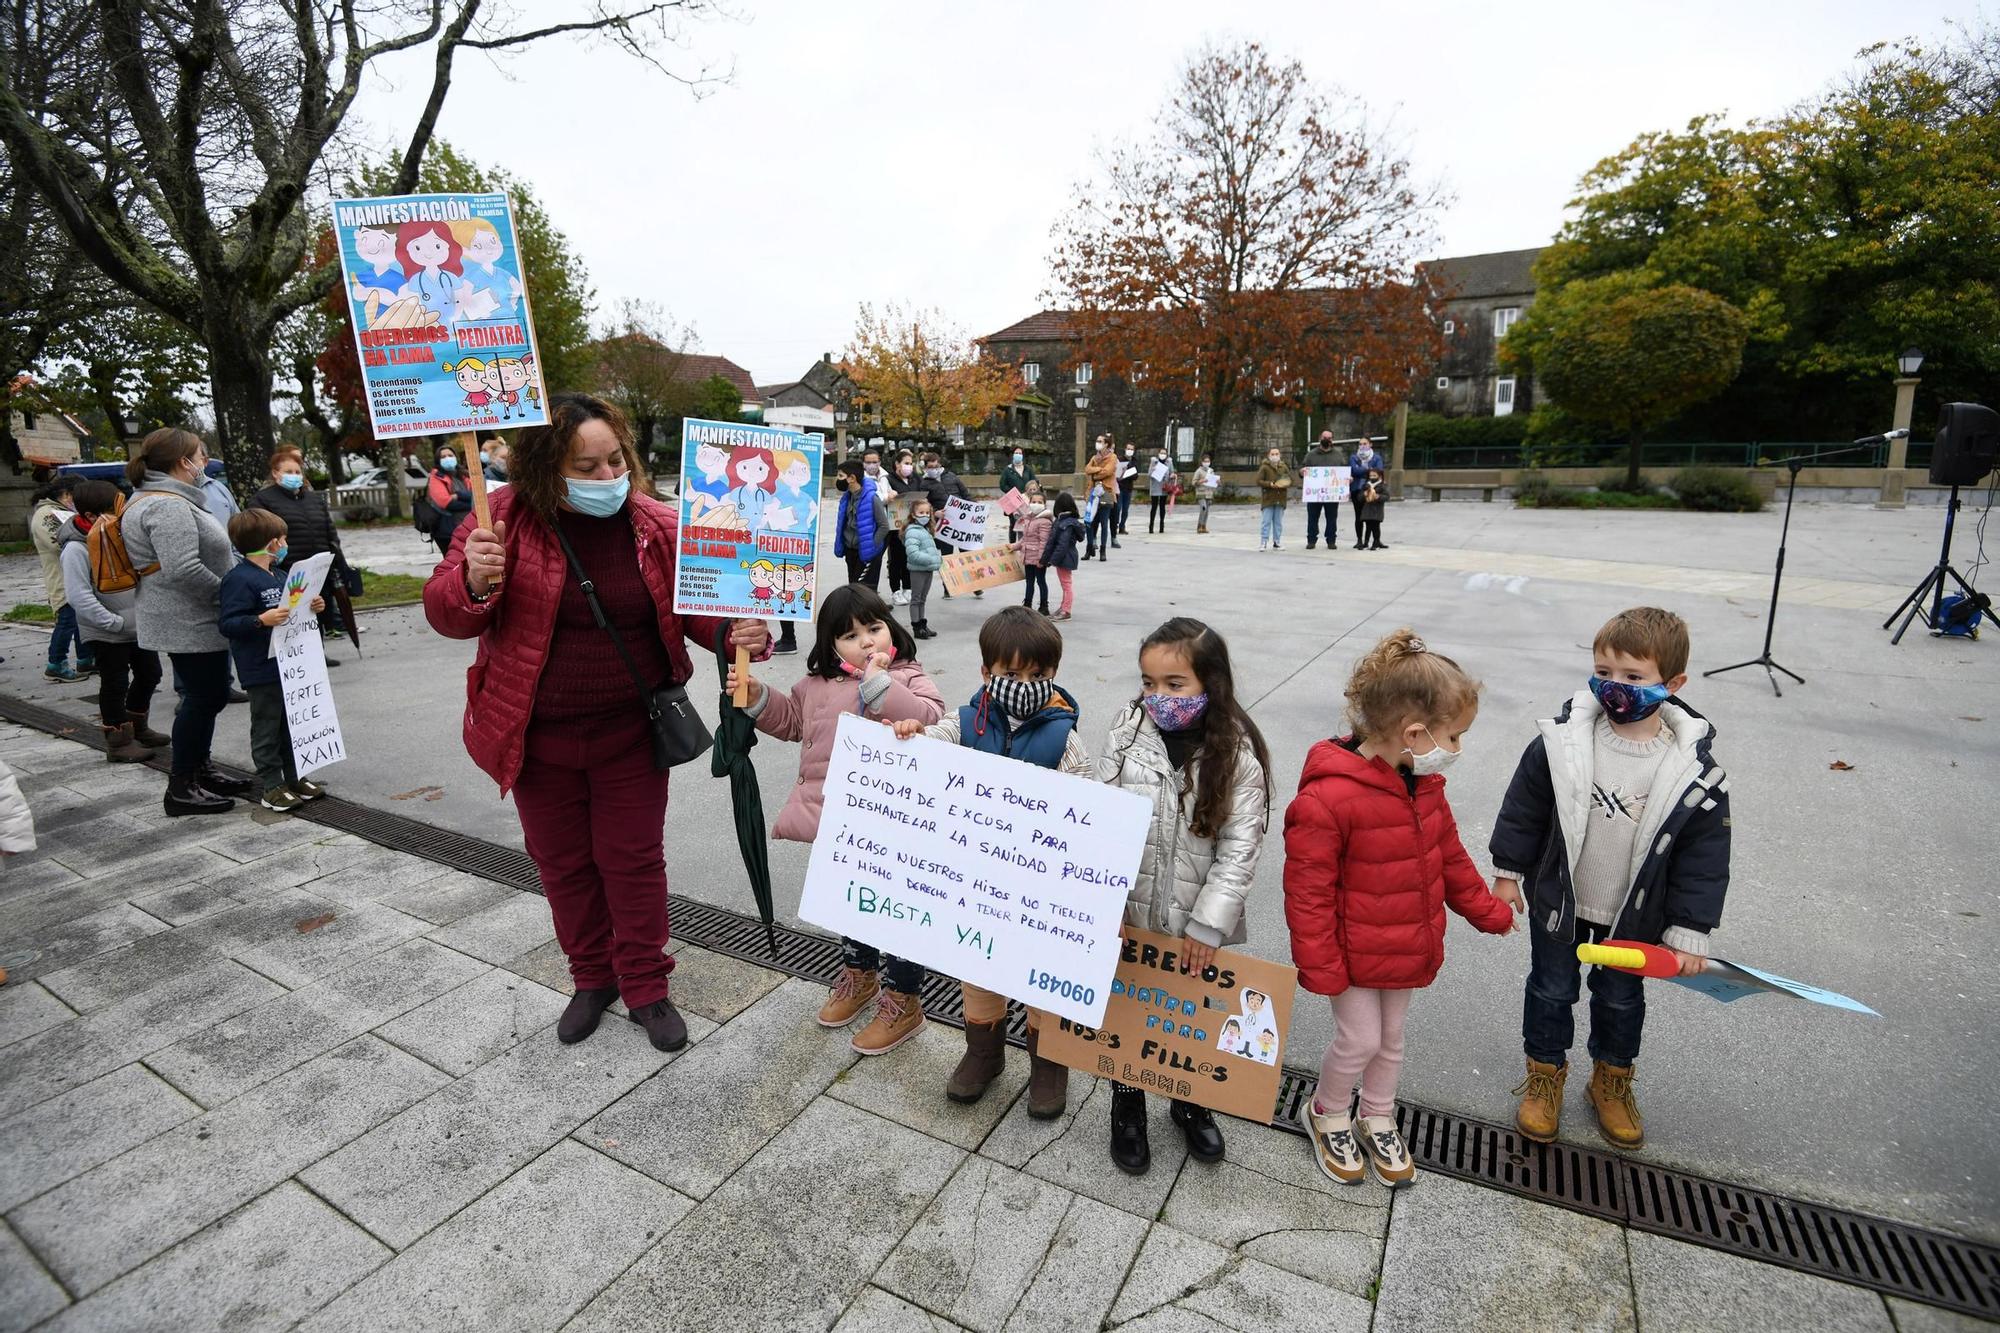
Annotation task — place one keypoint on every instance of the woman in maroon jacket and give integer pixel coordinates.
(551, 712)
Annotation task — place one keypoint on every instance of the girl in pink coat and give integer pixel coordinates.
(864, 662)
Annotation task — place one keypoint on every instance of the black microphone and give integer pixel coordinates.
(1884, 437)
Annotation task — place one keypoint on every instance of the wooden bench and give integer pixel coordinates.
(1484, 482)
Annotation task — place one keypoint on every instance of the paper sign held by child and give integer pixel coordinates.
(971, 571)
(963, 523)
(1005, 875)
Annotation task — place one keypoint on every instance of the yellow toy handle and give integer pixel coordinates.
(1610, 955)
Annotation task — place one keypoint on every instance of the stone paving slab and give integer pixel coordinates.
(717, 986)
(88, 936)
(1178, 1274)
(526, 1256)
(43, 894)
(304, 954)
(1911, 1317)
(443, 900)
(465, 1027)
(266, 1265)
(507, 929)
(1683, 1288)
(1081, 1273)
(27, 1008)
(876, 1311)
(1074, 1150)
(720, 1268)
(67, 1136)
(31, 1294)
(976, 1249)
(112, 1219)
(906, 1086)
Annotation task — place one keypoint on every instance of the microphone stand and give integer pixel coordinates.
(1764, 659)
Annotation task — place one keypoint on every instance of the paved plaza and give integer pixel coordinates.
(256, 1074)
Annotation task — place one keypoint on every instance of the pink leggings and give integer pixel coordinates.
(1367, 1045)
(1063, 576)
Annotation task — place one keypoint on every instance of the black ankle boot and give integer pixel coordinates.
(211, 780)
(186, 797)
(579, 1019)
(1129, 1150)
(1204, 1138)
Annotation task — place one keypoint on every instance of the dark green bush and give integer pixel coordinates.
(1716, 490)
(1616, 483)
(1430, 430)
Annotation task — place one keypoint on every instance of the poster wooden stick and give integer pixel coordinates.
(475, 476)
(742, 699)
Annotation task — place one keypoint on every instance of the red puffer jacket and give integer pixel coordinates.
(515, 625)
(1369, 870)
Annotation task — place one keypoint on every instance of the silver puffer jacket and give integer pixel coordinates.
(1187, 885)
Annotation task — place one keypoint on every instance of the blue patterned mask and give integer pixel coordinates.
(1628, 703)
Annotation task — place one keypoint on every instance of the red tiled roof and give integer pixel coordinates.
(1048, 326)
(698, 367)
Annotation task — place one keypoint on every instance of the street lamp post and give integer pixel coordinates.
(1082, 424)
(840, 436)
(1907, 366)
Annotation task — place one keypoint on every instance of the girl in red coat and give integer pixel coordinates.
(1372, 859)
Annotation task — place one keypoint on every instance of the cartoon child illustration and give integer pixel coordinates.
(799, 586)
(763, 580)
(473, 377)
(1231, 1041)
(1267, 1047)
(795, 499)
(505, 378)
(384, 277)
(756, 485)
(707, 491)
(430, 255)
(491, 291)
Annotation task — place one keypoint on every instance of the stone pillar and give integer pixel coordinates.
(1893, 488)
(1082, 427)
(1399, 427)
(840, 443)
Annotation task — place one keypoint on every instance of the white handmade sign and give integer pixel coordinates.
(999, 873)
(315, 728)
(963, 523)
(1326, 485)
(303, 582)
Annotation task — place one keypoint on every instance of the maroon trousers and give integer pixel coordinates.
(593, 811)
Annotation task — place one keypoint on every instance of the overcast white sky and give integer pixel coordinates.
(920, 151)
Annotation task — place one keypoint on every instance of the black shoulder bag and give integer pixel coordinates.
(679, 734)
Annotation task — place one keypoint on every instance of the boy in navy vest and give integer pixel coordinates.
(1022, 713)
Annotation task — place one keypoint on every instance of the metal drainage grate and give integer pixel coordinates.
(1926, 1266)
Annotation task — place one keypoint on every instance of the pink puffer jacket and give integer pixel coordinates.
(811, 713)
(515, 626)
(1035, 535)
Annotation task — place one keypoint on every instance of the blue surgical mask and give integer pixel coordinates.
(447, 464)
(1628, 703)
(599, 499)
(278, 556)
(292, 481)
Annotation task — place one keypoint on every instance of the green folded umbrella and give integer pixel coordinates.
(735, 737)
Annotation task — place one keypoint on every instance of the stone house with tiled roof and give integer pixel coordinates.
(1489, 293)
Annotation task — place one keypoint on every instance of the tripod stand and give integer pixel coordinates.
(1764, 659)
(1933, 583)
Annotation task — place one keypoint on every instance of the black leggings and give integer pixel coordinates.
(1373, 536)
(899, 564)
(127, 675)
(1158, 514)
(204, 679)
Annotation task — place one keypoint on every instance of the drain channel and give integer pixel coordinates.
(1930, 1267)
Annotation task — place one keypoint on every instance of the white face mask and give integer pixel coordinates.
(1434, 760)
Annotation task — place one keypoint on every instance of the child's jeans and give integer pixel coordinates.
(65, 637)
(1367, 1046)
(1063, 576)
(920, 593)
(1272, 528)
(1206, 501)
(1617, 1002)
(1038, 578)
(900, 975)
(270, 738)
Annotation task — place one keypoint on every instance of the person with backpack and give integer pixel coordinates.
(52, 509)
(179, 554)
(127, 675)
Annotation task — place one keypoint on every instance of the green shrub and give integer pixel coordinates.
(1616, 483)
(1430, 430)
(1716, 490)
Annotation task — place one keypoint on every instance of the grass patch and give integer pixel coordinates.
(388, 590)
(31, 613)
(16, 548)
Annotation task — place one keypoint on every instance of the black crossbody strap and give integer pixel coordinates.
(646, 692)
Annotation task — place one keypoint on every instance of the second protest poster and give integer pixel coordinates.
(987, 869)
(749, 521)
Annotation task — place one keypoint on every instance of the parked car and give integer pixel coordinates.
(372, 478)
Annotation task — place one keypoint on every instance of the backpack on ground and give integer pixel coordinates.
(111, 568)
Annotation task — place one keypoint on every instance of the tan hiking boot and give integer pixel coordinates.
(898, 1017)
(1617, 1109)
(1541, 1092)
(985, 1060)
(851, 994)
(1048, 1083)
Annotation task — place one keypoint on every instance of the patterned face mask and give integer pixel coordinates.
(1628, 703)
(1175, 712)
(1020, 699)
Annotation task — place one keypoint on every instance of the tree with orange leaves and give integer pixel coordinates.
(917, 369)
(1261, 246)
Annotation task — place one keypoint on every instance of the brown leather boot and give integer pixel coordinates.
(1540, 1113)
(144, 734)
(1048, 1083)
(985, 1060)
(854, 991)
(121, 748)
(1617, 1109)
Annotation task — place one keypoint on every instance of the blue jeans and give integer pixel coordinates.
(1124, 506)
(1271, 524)
(902, 975)
(1617, 1001)
(65, 636)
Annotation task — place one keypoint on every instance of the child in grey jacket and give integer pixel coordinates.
(921, 550)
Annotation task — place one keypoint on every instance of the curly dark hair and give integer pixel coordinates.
(535, 469)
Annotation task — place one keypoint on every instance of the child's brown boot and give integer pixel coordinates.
(1048, 1083)
(1540, 1113)
(985, 1060)
(121, 748)
(1617, 1109)
(898, 1017)
(851, 994)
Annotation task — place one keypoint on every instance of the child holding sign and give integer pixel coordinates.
(1372, 859)
(1188, 746)
(862, 662)
(1022, 713)
(250, 603)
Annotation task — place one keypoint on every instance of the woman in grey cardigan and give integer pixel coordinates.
(182, 554)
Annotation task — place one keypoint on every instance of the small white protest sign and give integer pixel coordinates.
(1326, 485)
(996, 872)
(963, 523)
(303, 582)
(309, 714)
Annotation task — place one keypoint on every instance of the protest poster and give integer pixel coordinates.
(1006, 875)
(963, 523)
(303, 582)
(1012, 501)
(749, 521)
(975, 571)
(1216, 1039)
(1326, 485)
(309, 712)
(438, 298)
(1726, 981)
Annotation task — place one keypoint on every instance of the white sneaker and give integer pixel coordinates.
(1340, 1158)
(1388, 1159)
(902, 597)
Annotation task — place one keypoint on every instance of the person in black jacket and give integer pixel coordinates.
(309, 527)
(1617, 821)
(941, 484)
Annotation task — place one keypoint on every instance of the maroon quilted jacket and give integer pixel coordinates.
(515, 625)
(1369, 870)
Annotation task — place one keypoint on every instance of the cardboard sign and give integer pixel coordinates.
(963, 523)
(749, 511)
(1009, 876)
(971, 571)
(439, 303)
(1327, 485)
(1216, 1039)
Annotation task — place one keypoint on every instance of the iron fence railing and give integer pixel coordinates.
(1753, 453)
